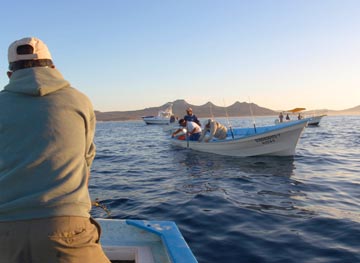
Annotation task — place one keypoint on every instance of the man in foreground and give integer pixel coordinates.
(46, 140)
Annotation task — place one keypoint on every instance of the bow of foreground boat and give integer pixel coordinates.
(142, 241)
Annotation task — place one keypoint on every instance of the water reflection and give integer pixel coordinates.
(199, 163)
(263, 184)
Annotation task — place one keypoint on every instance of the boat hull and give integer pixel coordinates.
(144, 241)
(314, 121)
(277, 140)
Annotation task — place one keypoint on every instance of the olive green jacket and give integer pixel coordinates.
(46, 147)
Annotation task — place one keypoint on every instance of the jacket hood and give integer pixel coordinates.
(37, 81)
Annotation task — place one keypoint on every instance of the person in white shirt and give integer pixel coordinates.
(193, 130)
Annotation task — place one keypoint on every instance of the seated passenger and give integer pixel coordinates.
(193, 131)
(216, 130)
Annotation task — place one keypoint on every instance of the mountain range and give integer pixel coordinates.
(209, 109)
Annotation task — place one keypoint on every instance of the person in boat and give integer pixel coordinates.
(193, 130)
(215, 129)
(47, 149)
(190, 116)
(172, 119)
(281, 117)
(299, 117)
(287, 117)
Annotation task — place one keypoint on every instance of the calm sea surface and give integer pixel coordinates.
(304, 208)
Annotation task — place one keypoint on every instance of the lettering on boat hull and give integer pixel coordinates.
(268, 139)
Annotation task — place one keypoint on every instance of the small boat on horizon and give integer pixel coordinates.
(274, 140)
(313, 120)
(164, 117)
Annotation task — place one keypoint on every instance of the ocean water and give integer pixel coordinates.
(304, 208)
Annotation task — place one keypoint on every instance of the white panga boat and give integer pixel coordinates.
(142, 241)
(275, 140)
(164, 117)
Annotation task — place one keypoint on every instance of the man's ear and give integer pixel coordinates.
(9, 73)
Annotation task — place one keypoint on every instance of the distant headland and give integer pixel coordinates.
(238, 109)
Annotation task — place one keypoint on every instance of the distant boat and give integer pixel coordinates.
(275, 140)
(315, 120)
(164, 117)
(142, 241)
(312, 120)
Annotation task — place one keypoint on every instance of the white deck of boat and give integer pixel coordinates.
(121, 241)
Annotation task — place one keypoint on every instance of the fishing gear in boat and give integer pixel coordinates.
(186, 137)
(211, 112)
(252, 115)
(97, 203)
(228, 122)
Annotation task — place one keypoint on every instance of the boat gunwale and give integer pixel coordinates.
(173, 242)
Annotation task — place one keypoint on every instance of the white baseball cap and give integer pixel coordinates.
(40, 50)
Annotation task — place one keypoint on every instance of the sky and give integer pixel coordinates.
(134, 54)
